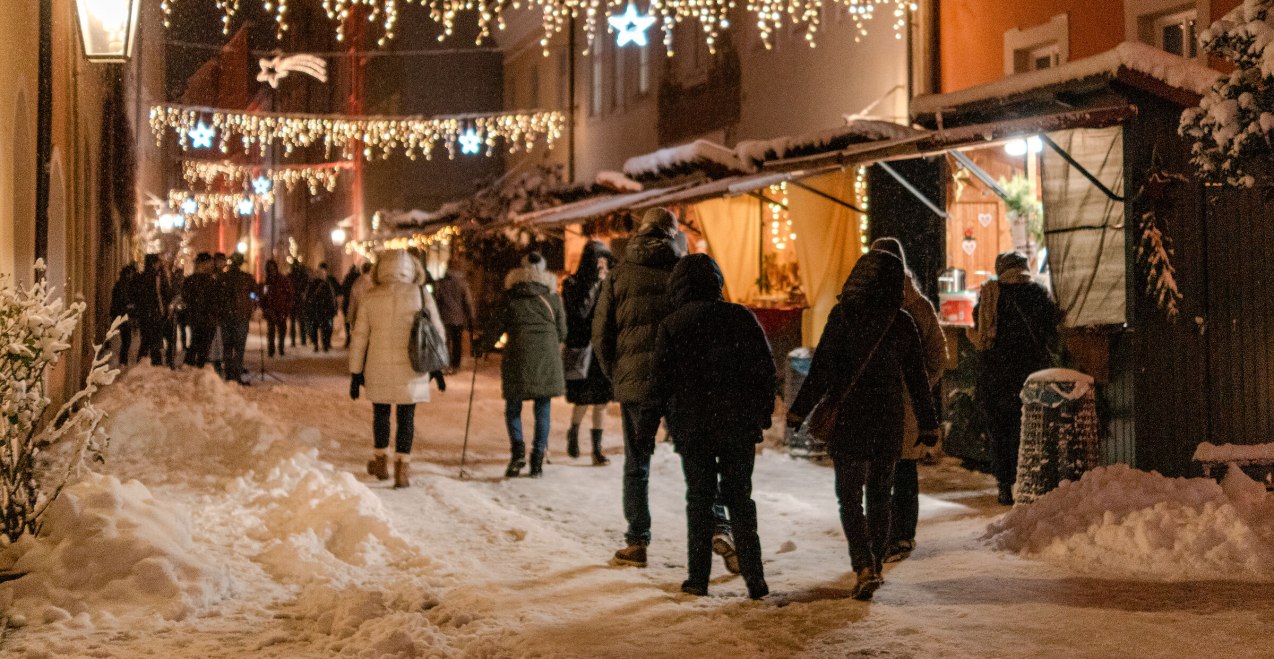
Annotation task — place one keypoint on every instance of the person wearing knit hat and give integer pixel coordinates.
(1015, 331)
(659, 218)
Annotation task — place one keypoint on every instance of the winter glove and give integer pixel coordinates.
(794, 422)
(929, 438)
(355, 383)
(442, 381)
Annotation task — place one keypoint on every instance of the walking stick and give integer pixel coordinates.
(464, 450)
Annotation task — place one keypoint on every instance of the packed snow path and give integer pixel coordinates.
(296, 559)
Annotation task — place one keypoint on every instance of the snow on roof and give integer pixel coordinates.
(617, 181)
(1170, 69)
(1238, 453)
(675, 160)
(755, 152)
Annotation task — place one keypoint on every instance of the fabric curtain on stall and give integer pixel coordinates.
(1084, 228)
(733, 231)
(828, 243)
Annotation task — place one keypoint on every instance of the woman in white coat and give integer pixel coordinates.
(379, 358)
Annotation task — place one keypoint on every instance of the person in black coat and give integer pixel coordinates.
(203, 310)
(869, 353)
(299, 323)
(1015, 332)
(579, 296)
(321, 298)
(239, 291)
(714, 369)
(122, 305)
(150, 299)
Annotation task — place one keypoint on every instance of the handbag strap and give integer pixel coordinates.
(552, 314)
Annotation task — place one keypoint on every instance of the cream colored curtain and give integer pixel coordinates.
(828, 243)
(733, 231)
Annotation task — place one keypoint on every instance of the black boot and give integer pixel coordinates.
(572, 441)
(598, 458)
(1006, 494)
(537, 465)
(516, 463)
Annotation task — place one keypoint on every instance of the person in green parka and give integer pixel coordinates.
(535, 323)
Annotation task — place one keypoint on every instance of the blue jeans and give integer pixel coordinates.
(641, 424)
(513, 422)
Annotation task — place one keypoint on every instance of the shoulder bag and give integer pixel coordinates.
(427, 348)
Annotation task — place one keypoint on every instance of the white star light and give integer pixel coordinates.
(470, 143)
(190, 206)
(201, 136)
(631, 26)
(261, 185)
(245, 206)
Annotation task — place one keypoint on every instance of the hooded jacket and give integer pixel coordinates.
(868, 358)
(713, 364)
(382, 330)
(455, 300)
(535, 323)
(633, 301)
(580, 292)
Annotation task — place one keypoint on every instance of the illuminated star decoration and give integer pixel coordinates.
(631, 25)
(201, 136)
(470, 143)
(261, 185)
(245, 206)
(189, 206)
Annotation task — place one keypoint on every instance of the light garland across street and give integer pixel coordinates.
(213, 206)
(316, 177)
(368, 248)
(380, 136)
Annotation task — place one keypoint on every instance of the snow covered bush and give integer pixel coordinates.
(35, 329)
(1232, 126)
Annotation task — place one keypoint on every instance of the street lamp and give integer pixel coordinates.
(108, 28)
(338, 236)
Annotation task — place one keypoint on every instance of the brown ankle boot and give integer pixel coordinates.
(378, 466)
(401, 469)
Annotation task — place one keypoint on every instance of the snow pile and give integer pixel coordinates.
(709, 157)
(111, 545)
(1120, 520)
(612, 180)
(858, 131)
(1240, 453)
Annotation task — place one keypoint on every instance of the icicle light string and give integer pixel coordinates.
(769, 16)
(368, 248)
(207, 207)
(380, 136)
(316, 177)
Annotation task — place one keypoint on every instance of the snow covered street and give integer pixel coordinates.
(253, 530)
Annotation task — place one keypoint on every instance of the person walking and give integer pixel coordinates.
(276, 305)
(150, 300)
(869, 354)
(122, 305)
(203, 310)
(455, 303)
(238, 290)
(347, 286)
(359, 290)
(586, 385)
(299, 322)
(632, 302)
(181, 320)
(715, 371)
(380, 358)
(535, 325)
(321, 296)
(1015, 331)
(906, 497)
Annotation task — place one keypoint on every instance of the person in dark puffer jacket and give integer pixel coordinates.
(714, 368)
(633, 301)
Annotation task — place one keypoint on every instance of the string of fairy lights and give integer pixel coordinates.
(211, 128)
(366, 248)
(864, 218)
(201, 208)
(262, 179)
(596, 16)
(782, 232)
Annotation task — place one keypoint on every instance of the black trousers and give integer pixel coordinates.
(152, 344)
(1004, 422)
(201, 334)
(125, 342)
(321, 333)
(718, 462)
(276, 334)
(234, 342)
(906, 501)
(455, 343)
(868, 534)
(406, 417)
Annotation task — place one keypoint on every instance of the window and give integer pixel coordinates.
(617, 57)
(1039, 47)
(596, 84)
(643, 70)
(1170, 25)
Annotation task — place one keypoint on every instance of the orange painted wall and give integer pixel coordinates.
(972, 32)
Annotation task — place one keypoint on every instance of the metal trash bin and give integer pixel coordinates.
(800, 444)
(1059, 432)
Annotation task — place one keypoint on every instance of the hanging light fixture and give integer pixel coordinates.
(108, 29)
(338, 236)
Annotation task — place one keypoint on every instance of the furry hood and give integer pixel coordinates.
(398, 266)
(530, 274)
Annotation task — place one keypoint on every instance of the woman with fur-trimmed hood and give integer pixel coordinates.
(379, 357)
(535, 324)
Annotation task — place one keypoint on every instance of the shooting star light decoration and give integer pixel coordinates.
(278, 67)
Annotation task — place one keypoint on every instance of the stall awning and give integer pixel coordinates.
(587, 209)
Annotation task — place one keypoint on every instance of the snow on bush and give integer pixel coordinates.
(1234, 122)
(1128, 522)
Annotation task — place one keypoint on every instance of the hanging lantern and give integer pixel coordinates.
(108, 29)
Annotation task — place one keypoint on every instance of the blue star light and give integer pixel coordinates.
(245, 206)
(201, 136)
(631, 25)
(190, 206)
(261, 185)
(470, 143)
